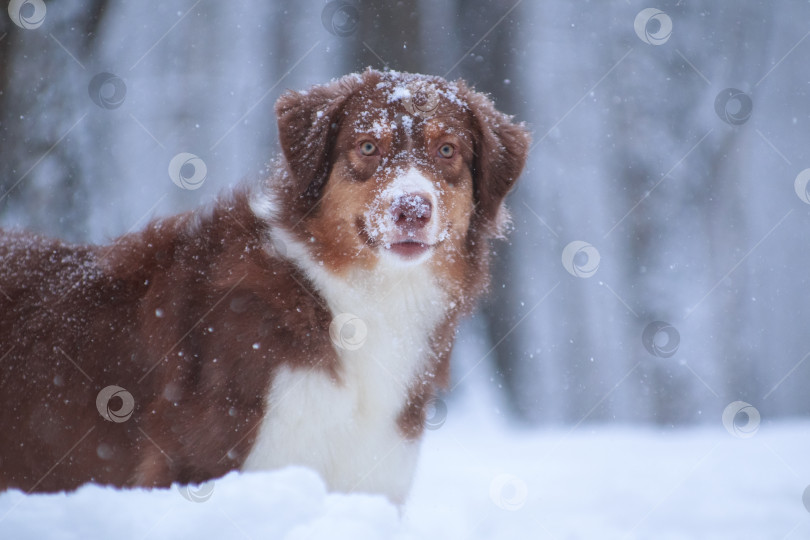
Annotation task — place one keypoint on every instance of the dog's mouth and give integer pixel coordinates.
(409, 249)
(406, 246)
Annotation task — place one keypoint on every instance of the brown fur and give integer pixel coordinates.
(193, 314)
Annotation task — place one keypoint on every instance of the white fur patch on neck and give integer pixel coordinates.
(346, 429)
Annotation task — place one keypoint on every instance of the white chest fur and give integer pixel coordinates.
(346, 427)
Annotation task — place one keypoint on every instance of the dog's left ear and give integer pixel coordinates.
(307, 123)
(501, 149)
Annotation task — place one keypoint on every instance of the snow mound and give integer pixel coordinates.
(290, 504)
(479, 478)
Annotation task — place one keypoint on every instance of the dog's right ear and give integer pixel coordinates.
(307, 126)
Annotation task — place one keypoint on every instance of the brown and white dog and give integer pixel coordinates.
(308, 320)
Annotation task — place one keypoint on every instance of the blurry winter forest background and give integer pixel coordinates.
(673, 155)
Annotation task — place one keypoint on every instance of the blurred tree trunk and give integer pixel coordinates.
(42, 181)
(701, 197)
(486, 57)
(387, 37)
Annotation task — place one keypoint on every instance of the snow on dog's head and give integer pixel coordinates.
(395, 169)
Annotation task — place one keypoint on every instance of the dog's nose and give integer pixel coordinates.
(411, 211)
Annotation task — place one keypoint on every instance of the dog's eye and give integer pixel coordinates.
(368, 148)
(447, 150)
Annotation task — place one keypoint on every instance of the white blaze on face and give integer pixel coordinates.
(381, 220)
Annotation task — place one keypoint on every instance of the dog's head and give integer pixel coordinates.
(395, 168)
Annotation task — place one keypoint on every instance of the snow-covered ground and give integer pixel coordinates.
(481, 478)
